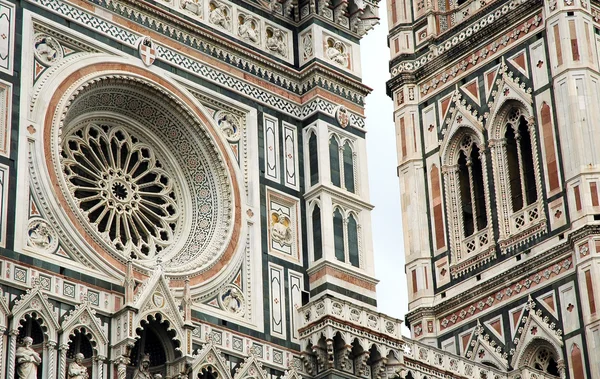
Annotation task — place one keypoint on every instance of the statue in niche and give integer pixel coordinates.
(28, 360)
(143, 370)
(336, 52)
(76, 369)
(276, 41)
(219, 15)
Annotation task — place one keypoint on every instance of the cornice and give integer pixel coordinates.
(286, 76)
(429, 63)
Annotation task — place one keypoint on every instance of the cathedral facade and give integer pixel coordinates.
(496, 114)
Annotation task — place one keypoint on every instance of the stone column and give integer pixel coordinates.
(62, 361)
(121, 367)
(2, 363)
(50, 350)
(12, 349)
(99, 367)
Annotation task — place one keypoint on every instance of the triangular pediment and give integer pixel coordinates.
(251, 368)
(84, 316)
(154, 295)
(534, 328)
(291, 373)
(483, 352)
(210, 358)
(35, 301)
(508, 88)
(460, 116)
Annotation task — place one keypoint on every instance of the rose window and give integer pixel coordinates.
(122, 188)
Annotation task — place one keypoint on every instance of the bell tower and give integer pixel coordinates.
(493, 109)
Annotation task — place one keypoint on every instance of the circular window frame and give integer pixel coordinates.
(228, 242)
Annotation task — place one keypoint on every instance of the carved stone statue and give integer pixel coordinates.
(76, 369)
(27, 360)
(219, 15)
(143, 370)
(276, 41)
(336, 51)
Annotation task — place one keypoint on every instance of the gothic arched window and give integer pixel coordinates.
(470, 173)
(516, 175)
(353, 241)
(519, 153)
(313, 159)
(341, 163)
(468, 212)
(348, 167)
(316, 233)
(334, 161)
(338, 235)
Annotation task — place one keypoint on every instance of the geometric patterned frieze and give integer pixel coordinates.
(485, 54)
(478, 306)
(59, 288)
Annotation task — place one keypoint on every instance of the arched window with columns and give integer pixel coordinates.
(467, 195)
(517, 180)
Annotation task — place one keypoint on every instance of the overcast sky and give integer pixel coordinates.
(385, 195)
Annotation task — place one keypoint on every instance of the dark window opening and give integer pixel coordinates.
(313, 159)
(317, 237)
(465, 195)
(348, 168)
(353, 241)
(338, 236)
(478, 189)
(528, 168)
(514, 177)
(334, 161)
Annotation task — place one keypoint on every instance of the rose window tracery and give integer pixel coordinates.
(122, 188)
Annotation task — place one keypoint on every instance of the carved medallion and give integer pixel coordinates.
(231, 299)
(47, 50)
(147, 51)
(342, 116)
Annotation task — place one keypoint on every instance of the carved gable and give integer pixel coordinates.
(84, 317)
(34, 301)
(251, 368)
(210, 358)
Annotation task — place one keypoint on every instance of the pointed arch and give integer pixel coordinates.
(577, 362)
(335, 169)
(338, 234)
(535, 333)
(35, 304)
(250, 368)
(317, 232)
(155, 302)
(467, 193)
(352, 233)
(83, 318)
(549, 147)
(210, 360)
(348, 160)
(517, 176)
(436, 200)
